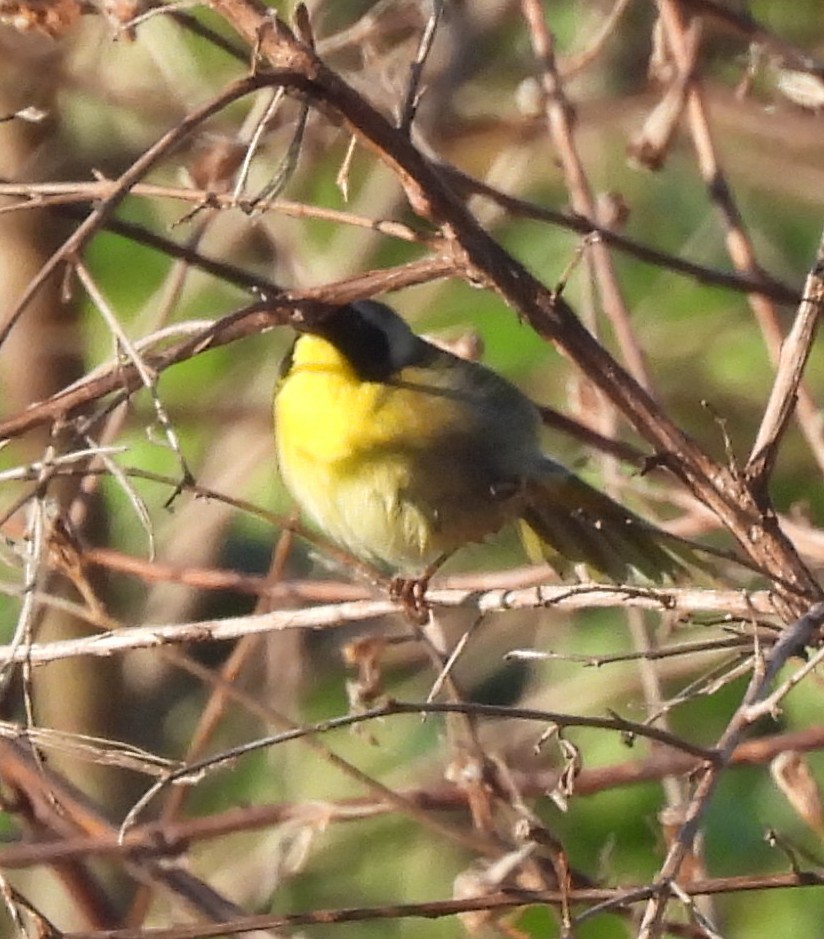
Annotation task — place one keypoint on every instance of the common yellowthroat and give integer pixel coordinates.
(402, 453)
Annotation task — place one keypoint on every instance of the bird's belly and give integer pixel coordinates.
(391, 509)
(361, 508)
(394, 479)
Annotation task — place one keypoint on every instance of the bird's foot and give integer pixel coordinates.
(411, 594)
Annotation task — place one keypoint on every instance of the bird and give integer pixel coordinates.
(402, 453)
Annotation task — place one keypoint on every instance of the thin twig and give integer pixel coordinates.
(570, 65)
(791, 363)
(738, 242)
(559, 122)
(193, 772)
(255, 318)
(413, 93)
(38, 195)
(332, 616)
(74, 244)
(794, 640)
(146, 375)
(749, 27)
(276, 96)
(163, 838)
(612, 899)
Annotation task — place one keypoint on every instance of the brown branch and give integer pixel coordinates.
(759, 282)
(81, 235)
(55, 195)
(739, 244)
(51, 804)
(472, 708)
(741, 22)
(465, 250)
(793, 642)
(64, 195)
(509, 899)
(179, 252)
(332, 616)
(161, 839)
(792, 360)
(256, 318)
(560, 124)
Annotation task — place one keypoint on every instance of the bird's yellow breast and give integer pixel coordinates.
(391, 470)
(325, 412)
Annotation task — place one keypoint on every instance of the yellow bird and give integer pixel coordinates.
(402, 453)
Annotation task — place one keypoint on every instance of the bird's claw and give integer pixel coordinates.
(411, 594)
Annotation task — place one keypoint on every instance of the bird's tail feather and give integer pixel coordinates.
(566, 520)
